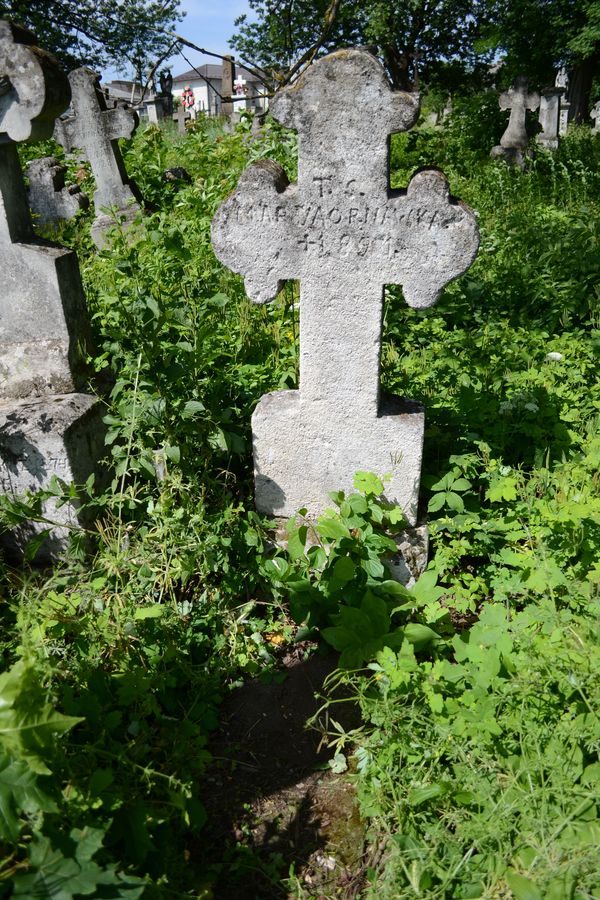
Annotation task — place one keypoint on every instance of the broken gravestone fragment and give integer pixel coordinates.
(513, 143)
(344, 234)
(94, 129)
(47, 427)
(49, 198)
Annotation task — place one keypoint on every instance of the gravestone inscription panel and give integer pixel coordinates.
(344, 234)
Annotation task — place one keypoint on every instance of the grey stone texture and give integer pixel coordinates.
(549, 119)
(49, 198)
(227, 79)
(344, 234)
(595, 116)
(43, 319)
(180, 116)
(59, 435)
(95, 129)
(514, 141)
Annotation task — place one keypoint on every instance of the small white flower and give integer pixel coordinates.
(554, 356)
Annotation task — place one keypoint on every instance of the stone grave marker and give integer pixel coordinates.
(344, 234)
(549, 119)
(514, 141)
(227, 81)
(47, 427)
(154, 107)
(49, 198)
(95, 129)
(180, 115)
(595, 116)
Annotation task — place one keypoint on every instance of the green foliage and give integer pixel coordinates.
(477, 762)
(123, 33)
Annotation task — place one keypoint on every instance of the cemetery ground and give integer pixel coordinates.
(157, 680)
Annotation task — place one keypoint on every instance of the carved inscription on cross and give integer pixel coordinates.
(95, 129)
(518, 101)
(344, 235)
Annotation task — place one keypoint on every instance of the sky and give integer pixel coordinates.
(207, 23)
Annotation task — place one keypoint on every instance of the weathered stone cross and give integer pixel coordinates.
(518, 101)
(344, 234)
(95, 129)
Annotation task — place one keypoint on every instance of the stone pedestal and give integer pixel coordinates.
(60, 435)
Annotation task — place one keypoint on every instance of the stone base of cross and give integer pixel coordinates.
(59, 435)
(304, 451)
(344, 234)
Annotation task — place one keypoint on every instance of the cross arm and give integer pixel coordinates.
(238, 229)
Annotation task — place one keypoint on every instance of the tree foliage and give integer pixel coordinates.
(129, 34)
(412, 36)
(538, 36)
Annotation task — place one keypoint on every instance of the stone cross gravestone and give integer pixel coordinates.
(95, 129)
(345, 235)
(180, 115)
(46, 426)
(549, 119)
(513, 142)
(49, 198)
(595, 116)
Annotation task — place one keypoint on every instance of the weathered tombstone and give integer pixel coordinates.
(345, 235)
(595, 115)
(514, 141)
(46, 426)
(549, 118)
(49, 198)
(180, 116)
(227, 80)
(95, 129)
(154, 106)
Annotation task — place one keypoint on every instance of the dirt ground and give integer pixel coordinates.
(281, 821)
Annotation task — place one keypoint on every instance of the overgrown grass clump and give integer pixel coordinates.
(477, 761)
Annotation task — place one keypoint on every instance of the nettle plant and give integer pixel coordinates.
(335, 576)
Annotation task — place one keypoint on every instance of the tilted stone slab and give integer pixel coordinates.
(50, 199)
(344, 234)
(59, 435)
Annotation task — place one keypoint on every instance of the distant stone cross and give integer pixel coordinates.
(95, 129)
(518, 101)
(345, 235)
